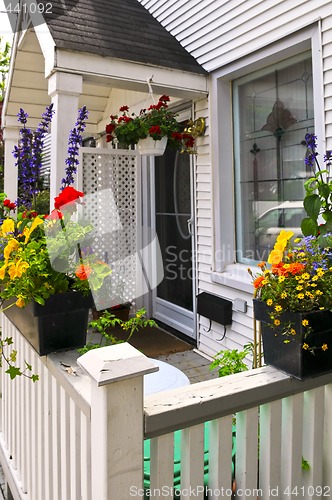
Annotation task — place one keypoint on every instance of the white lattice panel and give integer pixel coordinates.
(110, 185)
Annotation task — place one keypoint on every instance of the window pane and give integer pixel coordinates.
(273, 110)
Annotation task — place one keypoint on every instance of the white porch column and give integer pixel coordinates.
(116, 419)
(11, 136)
(64, 89)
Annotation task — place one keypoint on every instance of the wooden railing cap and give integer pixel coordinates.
(114, 363)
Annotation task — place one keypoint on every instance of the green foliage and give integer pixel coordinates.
(305, 464)
(108, 321)
(318, 200)
(4, 65)
(231, 361)
(10, 360)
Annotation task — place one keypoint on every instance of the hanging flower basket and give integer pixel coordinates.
(156, 125)
(149, 146)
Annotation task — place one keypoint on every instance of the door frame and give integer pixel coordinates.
(178, 318)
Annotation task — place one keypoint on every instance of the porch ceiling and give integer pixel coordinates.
(34, 60)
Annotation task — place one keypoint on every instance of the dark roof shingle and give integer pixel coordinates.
(121, 29)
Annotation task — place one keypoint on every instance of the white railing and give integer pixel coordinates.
(78, 432)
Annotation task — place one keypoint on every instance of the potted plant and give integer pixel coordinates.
(292, 300)
(293, 291)
(151, 129)
(45, 276)
(104, 327)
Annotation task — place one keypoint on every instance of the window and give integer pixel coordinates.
(272, 111)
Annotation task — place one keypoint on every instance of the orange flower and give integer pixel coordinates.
(296, 267)
(83, 272)
(279, 269)
(259, 281)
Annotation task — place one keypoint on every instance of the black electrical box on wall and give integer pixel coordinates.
(215, 308)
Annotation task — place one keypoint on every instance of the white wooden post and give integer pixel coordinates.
(116, 419)
(65, 89)
(10, 136)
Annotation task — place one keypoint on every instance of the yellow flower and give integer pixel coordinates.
(8, 226)
(269, 302)
(37, 221)
(281, 279)
(293, 332)
(314, 278)
(284, 236)
(10, 247)
(3, 271)
(319, 292)
(277, 322)
(277, 253)
(305, 347)
(300, 296)
(16, 270)
(305, 276)
(284, 295)
(299, 287)
(305, 322)
(278, 308)
(324, 347)
(20, 302)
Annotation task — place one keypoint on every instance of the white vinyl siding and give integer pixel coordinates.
(217, 32)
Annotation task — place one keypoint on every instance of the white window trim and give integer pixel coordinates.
(225, 270)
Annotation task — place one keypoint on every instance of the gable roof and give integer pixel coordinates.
(121, 29)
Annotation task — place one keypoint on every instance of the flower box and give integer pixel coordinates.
(59, 325)
(286, 352)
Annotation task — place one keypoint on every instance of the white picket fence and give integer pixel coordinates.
(78, 433)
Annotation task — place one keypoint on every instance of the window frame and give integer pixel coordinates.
(225, 269)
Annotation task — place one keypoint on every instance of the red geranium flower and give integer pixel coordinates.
(110, 128)
(68, 196)
(9, 204)
(124, 108)
(155, 129)
(164, 98)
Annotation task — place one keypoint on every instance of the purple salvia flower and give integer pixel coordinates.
(23, 160)
(75, 140)
(29, 156)
(37, 147)
(22, 117)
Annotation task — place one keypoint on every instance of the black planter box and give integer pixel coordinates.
(59, 325)
(291, 357)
